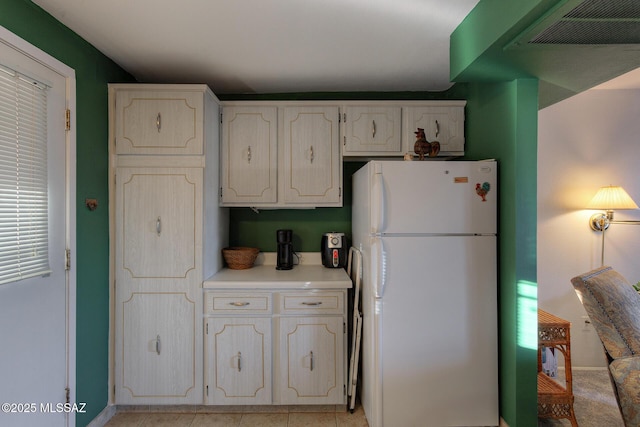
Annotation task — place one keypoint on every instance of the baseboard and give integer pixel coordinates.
(103, 417)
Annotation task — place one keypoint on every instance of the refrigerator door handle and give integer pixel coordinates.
(380, 278)
(377, 222)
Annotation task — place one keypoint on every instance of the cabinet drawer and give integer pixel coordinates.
(225, 303)
(312, 303)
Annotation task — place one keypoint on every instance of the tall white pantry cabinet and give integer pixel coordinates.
(167, 233)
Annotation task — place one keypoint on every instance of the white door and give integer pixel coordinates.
(158, 210)
(239, 360)
(158, 122)
(311, 361)
(370, 129)
(455, 197)
(437, 323)
(37, 315)
(158, 246)
(249, 155)
(444, 124)
(312, 164)
(157, 360)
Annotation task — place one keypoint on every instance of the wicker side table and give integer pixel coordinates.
(555, 401)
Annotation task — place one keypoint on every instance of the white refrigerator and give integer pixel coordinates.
(427, 233)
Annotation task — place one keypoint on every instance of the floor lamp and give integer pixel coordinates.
(609, 198)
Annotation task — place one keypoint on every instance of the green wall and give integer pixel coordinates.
(93, 72)
(502, 122)
(248, 228)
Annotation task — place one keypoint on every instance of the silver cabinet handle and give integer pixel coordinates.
(239, 303)
(158, 345)
(249, 154)
(159, 122)
(239, 361)
(311, 155)
(437, 128)
(158, 226)
(311, 360)
(314, 303)
(373, 128)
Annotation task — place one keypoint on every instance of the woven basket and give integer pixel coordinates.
(240, 258)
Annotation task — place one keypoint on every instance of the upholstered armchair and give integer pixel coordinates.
(613, 307)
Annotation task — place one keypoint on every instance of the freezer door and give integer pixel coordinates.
(436, 332)
(433, 197)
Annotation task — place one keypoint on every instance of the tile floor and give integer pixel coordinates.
(268, 416)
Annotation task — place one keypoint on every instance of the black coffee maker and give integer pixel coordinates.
(284, 259)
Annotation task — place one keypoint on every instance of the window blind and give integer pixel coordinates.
(24, 234)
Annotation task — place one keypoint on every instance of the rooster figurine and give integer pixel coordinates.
(482, 190)
(421, 146)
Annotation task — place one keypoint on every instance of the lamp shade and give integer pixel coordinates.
(612, 198)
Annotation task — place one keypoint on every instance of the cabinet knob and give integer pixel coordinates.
(311, 361)
(159, 122)
(239, 361)
(311, 154)
(249, 154)
(437, 128)
(158, 226)
(373, 128)
(158, 345)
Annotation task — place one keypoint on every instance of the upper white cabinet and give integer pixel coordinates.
(372, 129)
(312, 164)
(249, 153)
(442, 121)
(158, 122)
(288, 154)
(387, 128)
(280, 154)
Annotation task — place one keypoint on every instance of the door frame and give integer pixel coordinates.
(12, 40)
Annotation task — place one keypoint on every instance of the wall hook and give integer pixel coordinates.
(92, 204)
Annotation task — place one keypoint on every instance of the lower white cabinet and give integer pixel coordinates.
(310, 358)
(156, 353)
(239, 360)
(300, 336)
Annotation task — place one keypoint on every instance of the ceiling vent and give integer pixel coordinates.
(591, 22)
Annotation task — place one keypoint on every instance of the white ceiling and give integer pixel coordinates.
(272, 46)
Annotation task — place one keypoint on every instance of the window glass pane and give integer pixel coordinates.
(24, 246)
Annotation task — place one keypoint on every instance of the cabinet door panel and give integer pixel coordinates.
(155, 356)
(158, 211)
(372, 130)
(249, 155)
(311, 360)
(156, 122)
(443, 124)
(312, 167)
(239, 360)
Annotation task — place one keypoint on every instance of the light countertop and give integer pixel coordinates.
(309, 274)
